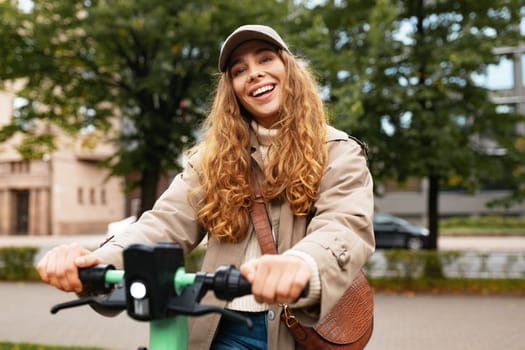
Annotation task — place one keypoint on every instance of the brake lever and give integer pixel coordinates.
(74, 303)
(199, 309)
(116, 300)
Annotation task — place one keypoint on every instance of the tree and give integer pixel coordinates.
(403, 82)
(148, 63)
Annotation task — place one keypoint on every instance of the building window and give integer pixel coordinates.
(80, 196)
(92, 195)
(134, 209)
(506, 108)
(498, 76)
(523, 70)
(103, 196)
(22, 167)
(522, 22)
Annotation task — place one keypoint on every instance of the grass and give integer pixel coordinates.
(450, 286)
(484, 225)
(29, 346)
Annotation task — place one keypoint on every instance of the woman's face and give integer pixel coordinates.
(258, 75)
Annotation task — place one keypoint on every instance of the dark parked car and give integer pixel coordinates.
(393, 232)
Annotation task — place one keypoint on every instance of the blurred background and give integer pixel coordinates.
(99, 100)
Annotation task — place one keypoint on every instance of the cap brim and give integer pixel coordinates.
(241, 36)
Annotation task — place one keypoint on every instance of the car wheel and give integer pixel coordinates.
(414, 243)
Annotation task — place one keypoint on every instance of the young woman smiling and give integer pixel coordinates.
(266, 120)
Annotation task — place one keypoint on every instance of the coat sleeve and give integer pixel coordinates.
(340, 234)
(172, 219)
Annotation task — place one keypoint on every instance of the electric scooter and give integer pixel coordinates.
(154, 287)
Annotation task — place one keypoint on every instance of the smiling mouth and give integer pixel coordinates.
(262, 90)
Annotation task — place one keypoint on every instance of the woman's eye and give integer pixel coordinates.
(266, 59)
(238, 71)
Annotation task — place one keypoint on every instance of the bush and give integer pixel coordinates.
(17, 263)
(493, 221)
(447, 271)
(491, 224)
(193, 261)
(450, 285)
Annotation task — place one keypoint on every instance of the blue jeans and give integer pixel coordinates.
(232, 335)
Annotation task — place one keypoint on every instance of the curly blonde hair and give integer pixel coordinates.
(293, 173)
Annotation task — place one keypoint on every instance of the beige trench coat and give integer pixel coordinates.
(339, 235)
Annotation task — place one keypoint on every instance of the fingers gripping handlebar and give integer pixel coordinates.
(154, 285)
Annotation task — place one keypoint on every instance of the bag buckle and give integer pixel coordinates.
(289, 317)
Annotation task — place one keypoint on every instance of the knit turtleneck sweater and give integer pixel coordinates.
(253, 250)
(265, 138)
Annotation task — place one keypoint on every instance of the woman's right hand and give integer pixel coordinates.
(59, 267)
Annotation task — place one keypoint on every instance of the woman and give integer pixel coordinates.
(267, 119)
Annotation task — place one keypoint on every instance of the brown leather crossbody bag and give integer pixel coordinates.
(348, 326)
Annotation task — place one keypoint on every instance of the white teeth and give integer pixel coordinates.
(262, 90)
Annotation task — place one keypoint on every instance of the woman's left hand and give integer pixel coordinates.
(277, 278)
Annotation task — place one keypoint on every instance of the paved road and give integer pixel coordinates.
(402, 322)
(25, 317)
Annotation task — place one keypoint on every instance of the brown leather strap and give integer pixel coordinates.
(260, 221)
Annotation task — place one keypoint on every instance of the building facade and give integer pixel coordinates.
(64, 193)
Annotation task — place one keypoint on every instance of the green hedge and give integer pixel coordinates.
(483, 225)
(193, 261)
(447, 271)
(489, 221)
(435, 264)
(449, 285)
(17, 263)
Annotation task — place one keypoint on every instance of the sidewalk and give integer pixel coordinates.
(448, 322)
(402, 322)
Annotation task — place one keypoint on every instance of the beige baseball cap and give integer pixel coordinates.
(245, 33)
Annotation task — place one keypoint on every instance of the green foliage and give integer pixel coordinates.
(150, 63)
(396, 73)
(402, 81)
(483, 225)
(412, 264)
(489, 221)
(193, 261)
(17, 263)
(449, 285)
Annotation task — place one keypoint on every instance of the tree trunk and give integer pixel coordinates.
(148, 189)
(433, 268)
(433, 211)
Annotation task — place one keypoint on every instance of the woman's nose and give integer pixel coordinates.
(255, 74)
